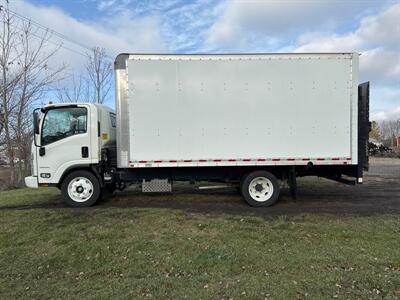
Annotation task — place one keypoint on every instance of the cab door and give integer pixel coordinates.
(65, 141)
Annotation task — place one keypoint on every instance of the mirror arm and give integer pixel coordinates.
(36, 130)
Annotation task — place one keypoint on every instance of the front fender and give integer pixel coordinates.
(66, 167)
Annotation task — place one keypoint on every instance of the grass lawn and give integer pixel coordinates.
(164, 253)
(4, 176)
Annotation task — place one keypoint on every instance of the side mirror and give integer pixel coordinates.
(35, 122)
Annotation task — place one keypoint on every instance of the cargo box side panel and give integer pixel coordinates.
(238, 109)
(155, 123)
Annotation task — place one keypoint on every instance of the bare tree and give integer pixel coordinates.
(74, 89)
(1, 119)
(9, 80)
(99, 70)
(25, 75)
(390, 130)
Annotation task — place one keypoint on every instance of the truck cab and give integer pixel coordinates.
(71, 138)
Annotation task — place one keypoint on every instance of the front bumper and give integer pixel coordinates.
(31, 181)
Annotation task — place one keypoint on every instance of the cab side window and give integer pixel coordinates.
(60, 123)
(113, 120)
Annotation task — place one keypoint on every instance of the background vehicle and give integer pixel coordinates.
(252, 119)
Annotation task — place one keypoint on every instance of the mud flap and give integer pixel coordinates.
(364, 127)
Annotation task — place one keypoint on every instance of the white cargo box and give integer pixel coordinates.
(227, 110)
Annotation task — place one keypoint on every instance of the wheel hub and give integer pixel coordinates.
(80, 189)
(261, 189)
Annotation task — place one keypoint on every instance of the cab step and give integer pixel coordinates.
(156, 186)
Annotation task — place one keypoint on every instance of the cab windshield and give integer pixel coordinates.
(60, 123)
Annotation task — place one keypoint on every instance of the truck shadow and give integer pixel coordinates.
(337, 200)
(380, 194)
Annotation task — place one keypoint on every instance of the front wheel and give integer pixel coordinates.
(80, 189)
(260, 188)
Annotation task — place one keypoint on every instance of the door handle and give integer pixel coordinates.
(42, 151)
(85, 152)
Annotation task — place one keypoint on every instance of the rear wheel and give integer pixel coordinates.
(260, 188)
(80, 189)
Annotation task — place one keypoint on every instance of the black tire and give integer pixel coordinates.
(94, 194)
(256, 200)
(241, 183)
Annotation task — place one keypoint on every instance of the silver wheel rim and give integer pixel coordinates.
(261, 189)
(80, 189)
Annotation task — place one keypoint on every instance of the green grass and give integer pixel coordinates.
(163, 253)
(21, 197)
(4, 176)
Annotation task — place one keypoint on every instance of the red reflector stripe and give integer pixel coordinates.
(244, 160)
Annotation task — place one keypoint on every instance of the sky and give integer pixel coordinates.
(369, 27)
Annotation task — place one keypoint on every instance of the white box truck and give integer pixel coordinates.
(247, 119)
